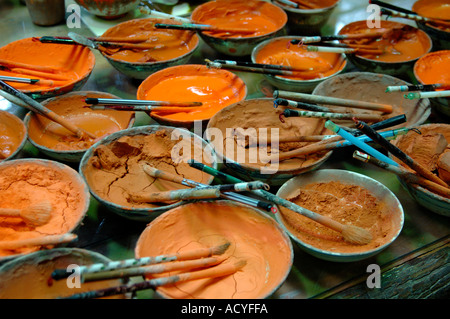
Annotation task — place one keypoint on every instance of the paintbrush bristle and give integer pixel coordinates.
(37, 214)
(219, 250)
(240, 263)
(356, 235)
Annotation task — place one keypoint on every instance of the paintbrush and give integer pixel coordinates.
(299, 4)
(394, 150)
(319, 147)
(68, 40)
(105, 101)
(261, 65)
(59, 274)
(391, 6)
(176, 195)
(427, 95)
(311, 98)
(301, 105)
(417, 87)
(141, 108)
(330, 49)
(362, 35)
(35, 215)
(350, 233)
(153, 269)
(40, 109)
(358, 143)
(410, 177)
(26, 80)
(157, 173)
(328, 115)
(261, 70)
(220, 270)
(39, 241)
(202, 28)
(415, 17)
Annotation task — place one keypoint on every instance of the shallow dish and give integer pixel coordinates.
(67, 67)
(112, 167)
(268, 19)
(14, 135)
(254, 238)
(167, 47)
(108, 9)
(56, 142)
(391, 215)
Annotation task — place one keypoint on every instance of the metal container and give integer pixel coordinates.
(378, 190)
(303, 86)
(306, 22)
(33, 274)
(140, 214)
(71, 156)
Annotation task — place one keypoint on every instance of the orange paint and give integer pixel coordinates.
(401, 46)
(260, 16)
(433, 68)
(165, 44)
(253, 236)
(12, 134)
(436, 9)
(71, 63)
(282, 52)
(28, 183)
(216, 89)
(52, 135)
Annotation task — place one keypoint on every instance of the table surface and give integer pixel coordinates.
(408, 265)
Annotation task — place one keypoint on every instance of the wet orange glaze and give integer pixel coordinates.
(70, 62)
(411, 45)
(281, 52)
(193, 83)
(168, 44)
(261, 16)
(433, 68)
(11, 134)
(437, 9)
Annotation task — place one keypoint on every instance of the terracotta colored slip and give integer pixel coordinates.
(434, 9)
(204, 224)
(12, 133)
(262, 17)
(161, 45)
(402, 43)
(433, 68)
(318, 64)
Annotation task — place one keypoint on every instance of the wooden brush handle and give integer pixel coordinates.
(10, 212)
(156, 173)
(39, 241)
(181, 194)
(41, 68)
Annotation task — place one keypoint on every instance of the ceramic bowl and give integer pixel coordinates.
(371, 87)
(58, 183)
(290, 83)
(439, 36)
(395, 66)
(422, 66)
(72, 107)
(124, 143)
(160, 57)
(254, 238)
(393, 211)
(77, 59)
(27, 277)
(14, 135)
(424, 197)
(248, 163)
(238, 45)
(307, 21)
(108, 9)
(228, 88)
